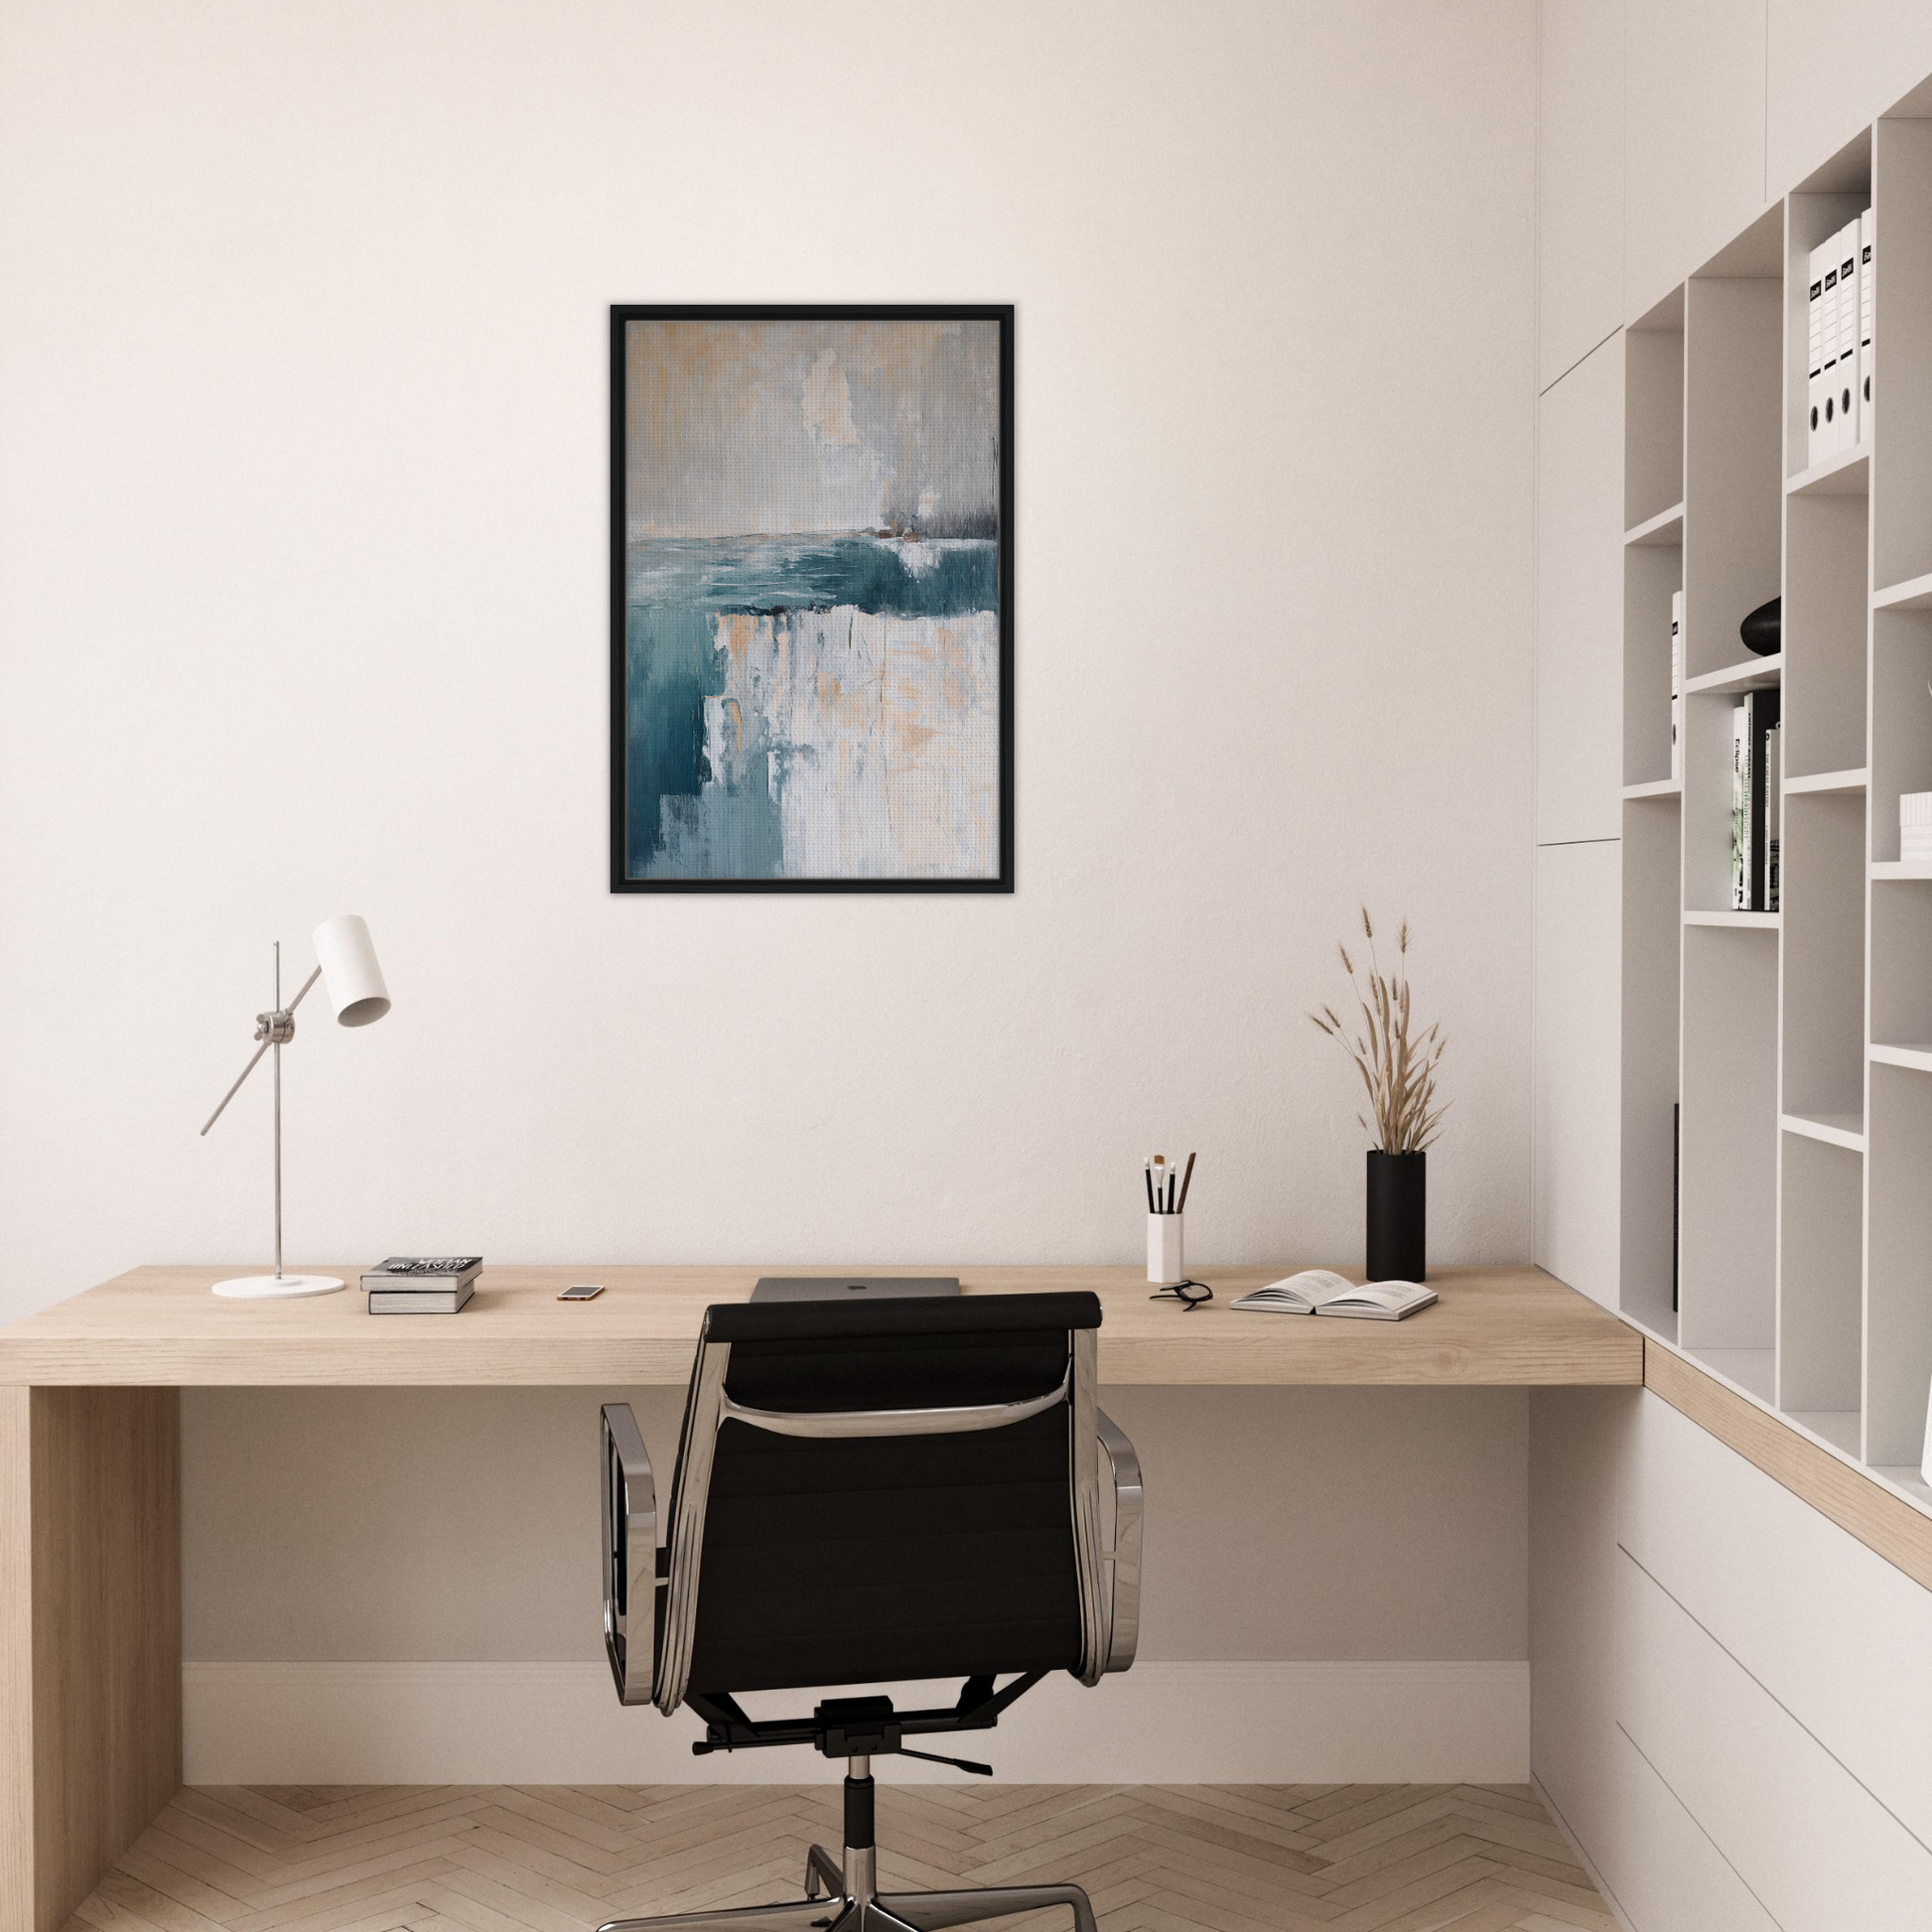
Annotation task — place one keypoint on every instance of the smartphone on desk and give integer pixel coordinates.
(582, 1292)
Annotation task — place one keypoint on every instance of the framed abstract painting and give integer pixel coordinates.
(811, 599)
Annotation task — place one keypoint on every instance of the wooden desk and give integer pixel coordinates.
(90, 1462)
(161, 1327)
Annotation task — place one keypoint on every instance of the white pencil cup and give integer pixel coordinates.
(1163, 1262)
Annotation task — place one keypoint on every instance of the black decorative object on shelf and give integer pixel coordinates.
(1398, 1216)
(1763, 630)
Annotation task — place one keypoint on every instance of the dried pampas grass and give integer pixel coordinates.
(1398, 1071)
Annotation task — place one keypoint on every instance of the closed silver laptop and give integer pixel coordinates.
(850, 1288)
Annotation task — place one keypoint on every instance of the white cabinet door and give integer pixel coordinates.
(1579, 602)
(1574, 1113)
(1833, 66)
(1579, 179)
(1692, 137)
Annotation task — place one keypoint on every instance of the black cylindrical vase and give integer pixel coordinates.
(1398, 1216)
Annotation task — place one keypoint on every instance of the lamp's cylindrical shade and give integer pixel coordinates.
(349, 975)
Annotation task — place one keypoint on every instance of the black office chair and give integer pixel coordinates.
(865, 1494)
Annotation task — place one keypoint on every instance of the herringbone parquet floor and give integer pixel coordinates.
(563, 1858)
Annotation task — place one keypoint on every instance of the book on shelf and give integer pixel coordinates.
(1740, 811)
(420, 1301)
(1815, 358)
(1753, 819)
(1676, 687)
(1825, 267)
(1773, 812)
(1868, 236)
(1846, 393)
(1320, 1290)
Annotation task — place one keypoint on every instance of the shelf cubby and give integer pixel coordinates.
(1901, 719)
(1652, 952)
(1730, 1083)
(1901, 963)
(1653, 433)
(1901, 401)
(1652, 573)
(1733, 480)
(1826, 612)
(1821, 1257)
(1898, 1309)
(1823, 921)
(1706, 804)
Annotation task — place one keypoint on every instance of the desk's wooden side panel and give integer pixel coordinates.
(90, 1597)
(16, 1664)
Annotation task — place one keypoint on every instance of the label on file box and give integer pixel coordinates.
(1815, 360)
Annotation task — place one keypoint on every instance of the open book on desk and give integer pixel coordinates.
(1320, 1290)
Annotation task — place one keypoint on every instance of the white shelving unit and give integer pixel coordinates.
(1797, 1044)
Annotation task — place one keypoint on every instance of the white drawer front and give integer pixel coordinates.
(1837, 1636)
(1664, 1871)
(1808, 1839)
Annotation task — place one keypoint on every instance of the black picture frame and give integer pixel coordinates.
(621, 315)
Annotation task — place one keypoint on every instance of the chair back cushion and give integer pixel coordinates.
(868, 1559)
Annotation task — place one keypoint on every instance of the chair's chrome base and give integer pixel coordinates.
(855, 1907)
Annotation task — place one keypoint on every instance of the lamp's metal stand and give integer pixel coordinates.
(274, 1030)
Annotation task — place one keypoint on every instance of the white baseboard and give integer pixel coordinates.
(561, 1724)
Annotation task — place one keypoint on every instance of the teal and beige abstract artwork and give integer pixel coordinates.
(811, 542)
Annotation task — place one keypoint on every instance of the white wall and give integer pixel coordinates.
(303, 445)
(301, 479)
(1282, 1523)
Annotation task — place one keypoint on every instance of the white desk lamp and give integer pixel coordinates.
(345, 965)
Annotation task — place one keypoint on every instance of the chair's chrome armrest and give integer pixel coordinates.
(629, 1555)
(1124, 1558)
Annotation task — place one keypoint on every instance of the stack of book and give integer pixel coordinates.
(422, 1284)
(1838, 314)
(1754, 803)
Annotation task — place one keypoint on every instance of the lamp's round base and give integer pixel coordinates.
(276, 1287)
